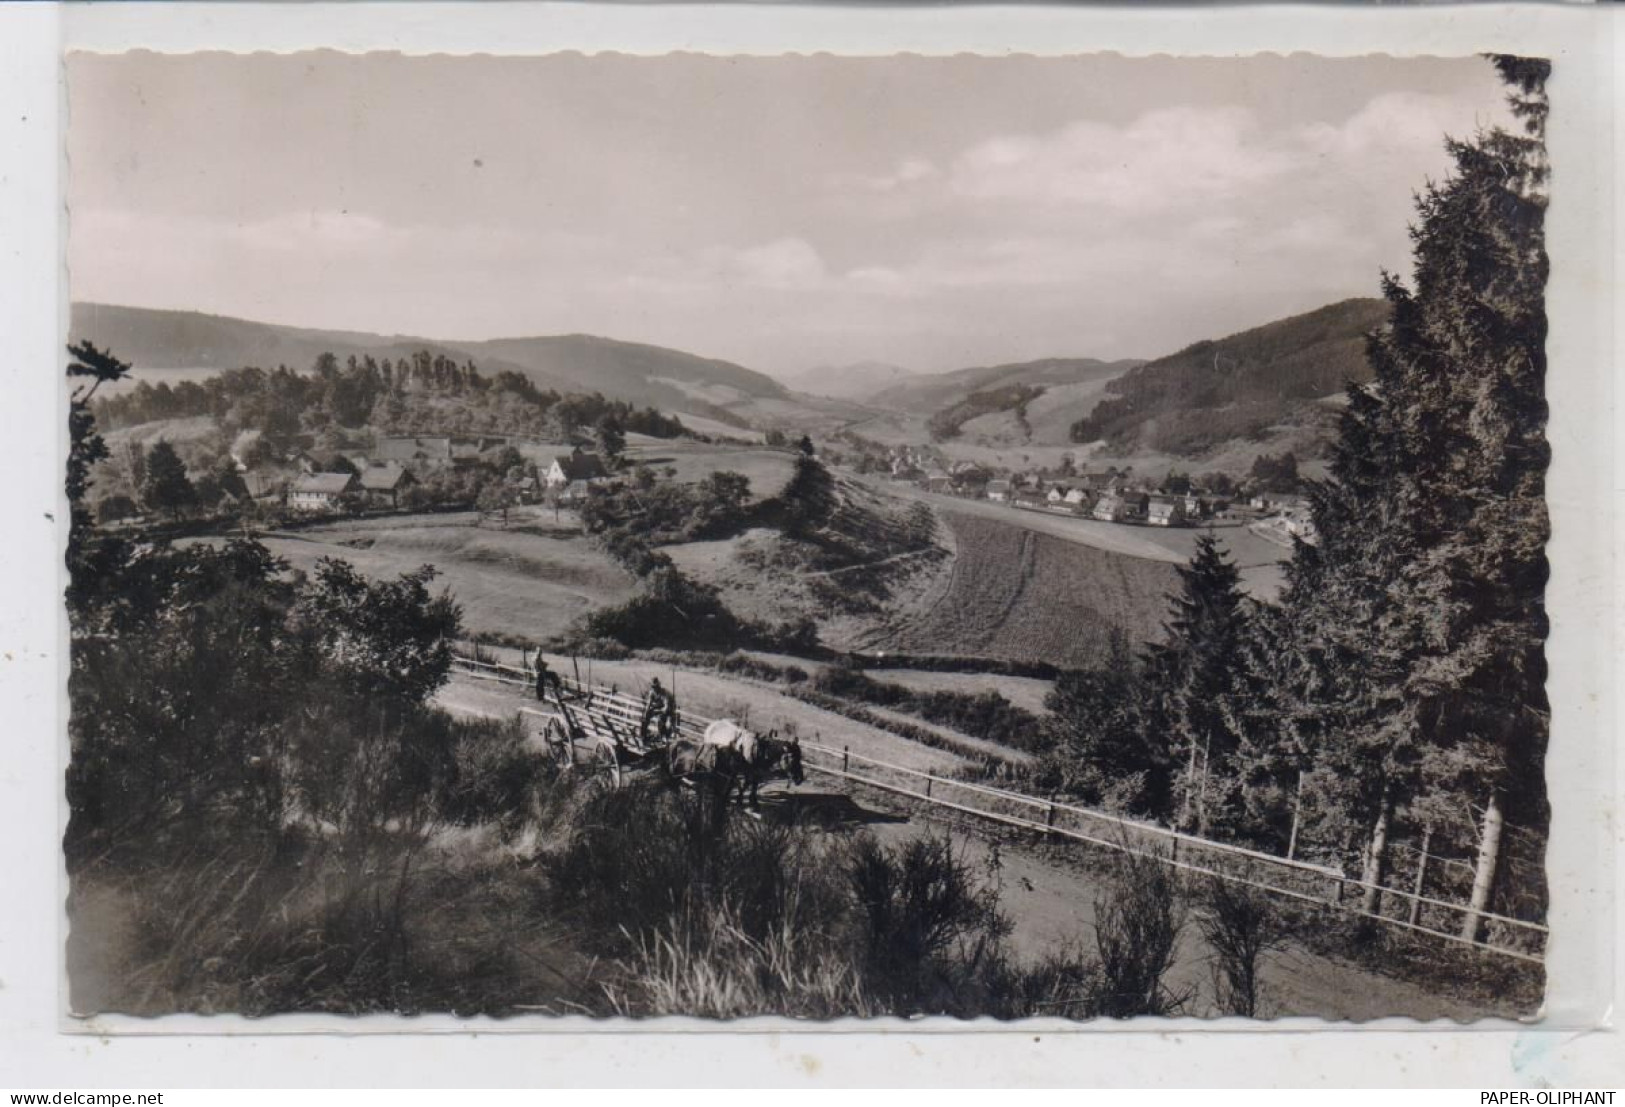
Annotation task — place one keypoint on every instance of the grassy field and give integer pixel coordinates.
(767, 469)
(529, 580)
(1019, 594)
(1025, 692)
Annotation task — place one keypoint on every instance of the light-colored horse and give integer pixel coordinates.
(728, 754)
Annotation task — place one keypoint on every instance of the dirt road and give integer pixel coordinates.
(1048, 897)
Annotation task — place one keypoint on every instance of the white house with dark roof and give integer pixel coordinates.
(320, 491)
(1165, 511)
(577, 465)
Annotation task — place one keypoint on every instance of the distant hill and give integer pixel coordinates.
(156, 341)
(1234, 388)
(858, 381)
(930, 393)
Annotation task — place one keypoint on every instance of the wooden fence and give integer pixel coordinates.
(1301, 881)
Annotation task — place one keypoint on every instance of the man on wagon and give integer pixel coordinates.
(660, 711)
(546, 680)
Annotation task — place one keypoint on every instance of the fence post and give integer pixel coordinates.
(927, 787)
(1049, 821)
(1421, 875)
(844, 753)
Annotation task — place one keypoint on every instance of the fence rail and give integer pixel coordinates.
(1301, 881)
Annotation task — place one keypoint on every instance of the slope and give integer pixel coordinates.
(1235, 387)
(859, 381)
(164, 342)
(930, 393)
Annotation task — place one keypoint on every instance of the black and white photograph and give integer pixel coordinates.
(807, 536)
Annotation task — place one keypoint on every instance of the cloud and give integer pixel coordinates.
(783, 263)
(1173, 157)
(328, 228)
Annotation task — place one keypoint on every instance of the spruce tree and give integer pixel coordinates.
(167, 487)
(1421, 664)
(1191, 670)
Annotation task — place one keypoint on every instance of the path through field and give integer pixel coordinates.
(1048, 896)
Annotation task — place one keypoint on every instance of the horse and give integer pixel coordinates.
(729, 754)
(751, 764)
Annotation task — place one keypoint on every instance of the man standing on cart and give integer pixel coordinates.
(546, 680)
(660, 710)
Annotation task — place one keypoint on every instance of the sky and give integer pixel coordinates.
(784, 213)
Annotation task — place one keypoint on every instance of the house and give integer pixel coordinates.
(1110, 508)
(577, 465)
(320, 491)
(385, 483)
(1122, 507)
(998, 490)
(573, 493)
(1057, 493)
(1194, 507)
(1033, 501)
(435, 449)
(1300, 523)
(263, 487)
(1079, 497)
(974, 481)
(1165, 511)
(943, 486)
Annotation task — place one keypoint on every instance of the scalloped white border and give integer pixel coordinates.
(1585, 483)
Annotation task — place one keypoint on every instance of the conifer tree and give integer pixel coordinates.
(167, 487)
(1190, 672)
(1422, 603)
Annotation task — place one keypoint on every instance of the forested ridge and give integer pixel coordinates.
(1237, 386)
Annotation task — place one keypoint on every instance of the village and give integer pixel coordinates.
(399, 472)
(1114, 495)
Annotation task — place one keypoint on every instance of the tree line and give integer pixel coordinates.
(424, 392)
(1398, 685)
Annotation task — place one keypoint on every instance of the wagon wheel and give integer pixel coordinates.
(606, 757)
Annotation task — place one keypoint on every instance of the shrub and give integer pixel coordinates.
(495, 773)
(1138, 923)
(926, 924)
(1240, 926)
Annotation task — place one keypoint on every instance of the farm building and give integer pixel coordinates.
(1165, 511)
(430, 448)
(320, 491)
(1299, 523)
(264, 486)
(1277, 501)
(1111, 508)
(574, 493)
(577, 466)
(1122, 507)
(385, 483)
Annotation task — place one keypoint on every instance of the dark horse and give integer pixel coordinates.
(746, 760)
